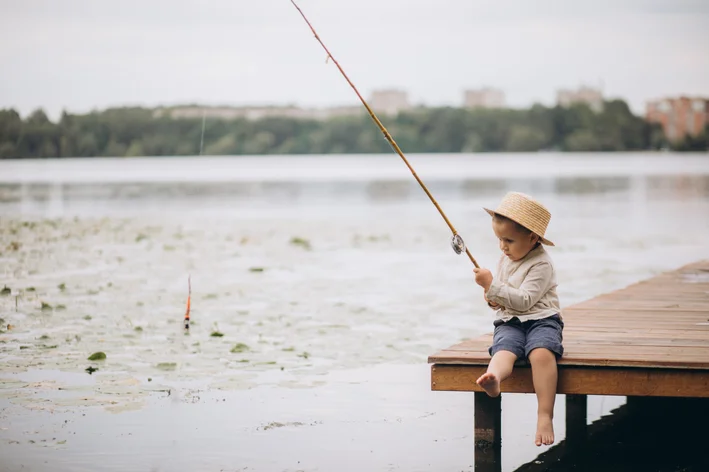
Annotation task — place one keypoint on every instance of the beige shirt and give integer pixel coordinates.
(525, 288)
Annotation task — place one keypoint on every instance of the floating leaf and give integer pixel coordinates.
(62, 287)
(60, 307)
(46, 306)
(97, 356)
(44, 336)
(149, 379)
(256, 269)
(304, 243)
(241, 347)
(91, 369)
(216, 334)
(140, 237)
(87, 317)
(5, 290)
(304, 355)
(30, 289)
(138, 328)
(288, 349)
(167, 366)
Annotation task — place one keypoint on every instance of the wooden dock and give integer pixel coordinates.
(650, 339)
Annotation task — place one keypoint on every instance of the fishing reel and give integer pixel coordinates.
(457, 244)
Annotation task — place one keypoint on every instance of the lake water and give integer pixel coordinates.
(331, 279)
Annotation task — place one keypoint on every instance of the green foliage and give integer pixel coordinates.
(134, 132)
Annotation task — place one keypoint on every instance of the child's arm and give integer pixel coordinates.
(490, 303)
(535, 285)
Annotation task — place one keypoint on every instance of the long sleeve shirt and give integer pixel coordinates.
(525, 289)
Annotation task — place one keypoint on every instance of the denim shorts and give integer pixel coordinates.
(521, 337)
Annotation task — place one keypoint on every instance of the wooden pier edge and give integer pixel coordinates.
(635, 381)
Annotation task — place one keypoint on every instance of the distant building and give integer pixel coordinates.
(484, 98)
(591, 96)
(390, 101)
(680, 116)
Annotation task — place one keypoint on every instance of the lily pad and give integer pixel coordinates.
(240, 347)
(304, 243)
(97, 356)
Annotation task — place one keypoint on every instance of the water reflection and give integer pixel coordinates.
(52, 196)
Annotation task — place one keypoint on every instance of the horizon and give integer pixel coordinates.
(81, 56)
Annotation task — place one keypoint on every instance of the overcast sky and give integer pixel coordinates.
(84, 54)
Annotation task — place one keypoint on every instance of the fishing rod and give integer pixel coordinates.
(457, 242)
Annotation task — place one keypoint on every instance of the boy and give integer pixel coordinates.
(528, 322)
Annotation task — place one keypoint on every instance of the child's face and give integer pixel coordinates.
(513, 242)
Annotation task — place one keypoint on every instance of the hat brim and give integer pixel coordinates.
(493, 213)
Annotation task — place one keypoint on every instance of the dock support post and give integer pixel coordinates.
(576, 417)
(488, 433)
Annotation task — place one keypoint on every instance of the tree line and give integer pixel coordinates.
(119, 132)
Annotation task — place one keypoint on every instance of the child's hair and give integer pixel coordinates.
(500, 219)
(524, 230)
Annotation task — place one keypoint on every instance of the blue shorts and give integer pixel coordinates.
(521, 337)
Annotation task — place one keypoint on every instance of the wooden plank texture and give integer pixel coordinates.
(583, 381)
(660, 323)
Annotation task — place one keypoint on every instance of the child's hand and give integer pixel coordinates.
(483, 277)
(491, 304)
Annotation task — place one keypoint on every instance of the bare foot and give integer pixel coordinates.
(545, 431)
(488, 381)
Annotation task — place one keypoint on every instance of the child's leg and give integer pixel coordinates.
(544, 376)
(507, 346)
(499, 369)
(544, 345)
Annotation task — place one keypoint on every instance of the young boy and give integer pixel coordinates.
(528, 322)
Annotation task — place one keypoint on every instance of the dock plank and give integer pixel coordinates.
(584, 381)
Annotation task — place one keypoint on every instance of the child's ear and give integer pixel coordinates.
(535, 238)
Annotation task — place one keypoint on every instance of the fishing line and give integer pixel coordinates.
(457, 242)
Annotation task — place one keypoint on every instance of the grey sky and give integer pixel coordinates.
(84, 54)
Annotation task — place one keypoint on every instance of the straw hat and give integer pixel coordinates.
(526, 211)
